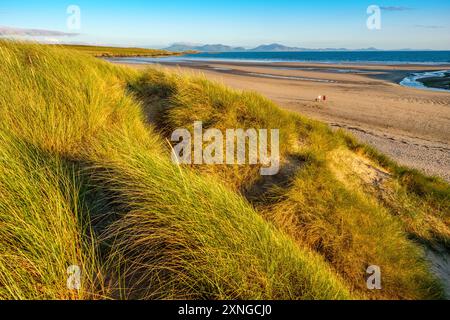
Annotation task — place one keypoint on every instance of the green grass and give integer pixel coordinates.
(101, 51)
(323, 204)
(86, 179)
(43, 230)
(185, 236)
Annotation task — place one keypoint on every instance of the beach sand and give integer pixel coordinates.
(412, 126)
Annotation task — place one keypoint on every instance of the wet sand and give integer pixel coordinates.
(410, 125)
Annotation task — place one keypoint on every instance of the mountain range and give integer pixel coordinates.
(274, 47)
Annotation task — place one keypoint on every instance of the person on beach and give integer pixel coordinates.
(321, 98)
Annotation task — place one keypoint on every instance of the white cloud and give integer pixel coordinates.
(8, 31)
(395, 8)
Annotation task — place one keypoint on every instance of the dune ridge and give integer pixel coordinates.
(86, 179)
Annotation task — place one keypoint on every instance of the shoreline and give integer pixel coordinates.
(395, 73)
(411, 126)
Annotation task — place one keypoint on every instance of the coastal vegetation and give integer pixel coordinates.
(109, 52)
(86, 179)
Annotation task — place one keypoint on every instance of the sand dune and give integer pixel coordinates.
(410, 125)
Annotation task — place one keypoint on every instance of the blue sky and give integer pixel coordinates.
(313, 24)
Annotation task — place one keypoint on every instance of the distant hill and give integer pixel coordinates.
(274, 47)
(180, 47)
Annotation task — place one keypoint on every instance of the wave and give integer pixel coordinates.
(412, 80)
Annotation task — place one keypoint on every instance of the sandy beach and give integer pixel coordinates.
(410, 125)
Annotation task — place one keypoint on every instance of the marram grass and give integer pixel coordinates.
(86, 179)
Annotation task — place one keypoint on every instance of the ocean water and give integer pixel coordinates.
(326, 57)
(335, 57)
(412, 80)
(376, 57)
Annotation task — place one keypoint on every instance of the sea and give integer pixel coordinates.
(344, 57)
(326, 57)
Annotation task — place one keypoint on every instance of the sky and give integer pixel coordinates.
(311, 24)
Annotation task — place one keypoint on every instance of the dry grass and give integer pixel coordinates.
(86, 179)
(118, 181)
(336, 198)
(101, 51)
